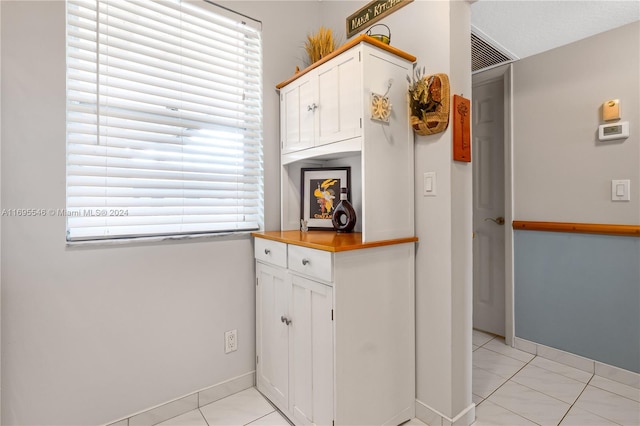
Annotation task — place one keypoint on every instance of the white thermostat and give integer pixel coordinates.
(607, 132)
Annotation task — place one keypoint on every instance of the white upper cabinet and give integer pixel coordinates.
(326, 121)
(339, 111)
(322, 106)
(297, 114)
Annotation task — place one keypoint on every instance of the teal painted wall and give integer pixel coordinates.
(580, 293)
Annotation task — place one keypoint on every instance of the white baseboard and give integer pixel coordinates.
(184, 404)
(224, 389)
(601, 369)
(433, 417)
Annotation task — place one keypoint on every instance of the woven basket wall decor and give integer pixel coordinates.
(435, 118)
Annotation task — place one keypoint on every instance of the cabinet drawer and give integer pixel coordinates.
(271, 252)
(316, 264)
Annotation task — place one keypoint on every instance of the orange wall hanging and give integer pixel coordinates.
(461, 129)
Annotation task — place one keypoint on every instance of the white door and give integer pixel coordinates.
(311, 353)
(488, 207)
(272, 334)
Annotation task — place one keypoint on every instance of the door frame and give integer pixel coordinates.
(505, 73)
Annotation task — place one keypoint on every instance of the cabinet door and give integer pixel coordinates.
(297, 110)
(311, 356)
(339, 105)
(272, 335)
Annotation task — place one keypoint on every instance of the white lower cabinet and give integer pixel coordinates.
(311, 351)
(335, 333)
(294, 337)
(272, 336)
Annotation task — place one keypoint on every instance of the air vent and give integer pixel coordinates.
(484, 55)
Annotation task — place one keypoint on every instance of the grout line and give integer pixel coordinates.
(585, 385)
(482, 345)
(561, 375)
(512, 412)
(509, 356)
(276, 409)
(604, 390)
(507, 381)
(563, 365)
(261, 417)
(551, 396)
(203, 416)
(574, 402)
(171, 418)
(535, 390)
(612, 392)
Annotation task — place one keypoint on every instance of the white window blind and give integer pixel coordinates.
(164, 120)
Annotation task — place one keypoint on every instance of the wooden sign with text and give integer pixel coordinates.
(371, 13)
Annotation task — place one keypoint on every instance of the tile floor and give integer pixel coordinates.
(248, 407)
(510, 387)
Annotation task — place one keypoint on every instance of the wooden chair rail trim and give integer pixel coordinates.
(579, 228)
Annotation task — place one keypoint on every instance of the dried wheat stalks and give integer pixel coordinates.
(320, 44)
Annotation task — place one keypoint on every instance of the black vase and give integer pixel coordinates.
(344, 215)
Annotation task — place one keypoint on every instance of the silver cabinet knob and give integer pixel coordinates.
(267, 251)
(305, 262)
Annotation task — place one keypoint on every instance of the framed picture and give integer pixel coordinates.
(321, 194)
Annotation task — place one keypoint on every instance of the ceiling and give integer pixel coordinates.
(522, 28)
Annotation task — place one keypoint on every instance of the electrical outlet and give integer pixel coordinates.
(230, 341)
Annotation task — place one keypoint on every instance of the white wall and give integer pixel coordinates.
(90, 335)
(562, 173)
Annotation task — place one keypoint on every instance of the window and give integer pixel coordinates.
(164, 120)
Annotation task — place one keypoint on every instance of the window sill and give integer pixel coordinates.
(146, 241)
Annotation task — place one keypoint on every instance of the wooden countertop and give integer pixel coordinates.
(328, 240)
(361, 38)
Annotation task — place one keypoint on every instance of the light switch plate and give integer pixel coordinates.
(620, 190)
(429, 184)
